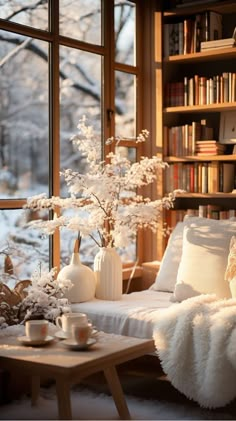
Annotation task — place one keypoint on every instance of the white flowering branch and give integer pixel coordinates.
(105, 197)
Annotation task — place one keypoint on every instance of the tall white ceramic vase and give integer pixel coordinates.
(108, 273)
(82, 279)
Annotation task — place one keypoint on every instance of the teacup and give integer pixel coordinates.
(65, 321)
(81, 332)
(36, 330)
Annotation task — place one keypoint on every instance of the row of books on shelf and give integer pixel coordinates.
(203, 211)
(191, 139)
(185, 37)
(201, 90)
(201, 177)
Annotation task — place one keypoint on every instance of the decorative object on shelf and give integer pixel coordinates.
(81, 276)
(108, 271)
(227, 127)
(108, 208)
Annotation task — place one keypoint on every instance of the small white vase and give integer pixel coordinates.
(108, 273)
(82, 278)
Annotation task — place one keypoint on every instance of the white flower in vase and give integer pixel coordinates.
(105, 197)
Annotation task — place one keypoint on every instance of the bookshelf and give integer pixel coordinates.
(178, 68)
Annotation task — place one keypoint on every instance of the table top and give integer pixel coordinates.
(109, 349)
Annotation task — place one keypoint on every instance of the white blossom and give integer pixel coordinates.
(45, 296)
(106, 198)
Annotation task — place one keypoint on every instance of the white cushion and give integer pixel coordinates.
(230, 273)
(167, 274)
(204, 258)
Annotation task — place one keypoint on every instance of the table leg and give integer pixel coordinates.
(117, 392)
(35, 388)
(63, 399)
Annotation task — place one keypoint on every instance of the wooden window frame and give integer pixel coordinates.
(143, 70)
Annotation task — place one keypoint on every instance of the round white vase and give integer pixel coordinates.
(82, 279)
(108, 273)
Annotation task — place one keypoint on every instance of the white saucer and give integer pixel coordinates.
(71, 344)
(60, 334)
(26, 341)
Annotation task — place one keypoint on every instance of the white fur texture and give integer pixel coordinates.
(196, 343)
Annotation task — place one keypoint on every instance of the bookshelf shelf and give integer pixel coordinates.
(207, 196)
(201, 158)
(209, 108)
(227, 6)
(217, 54)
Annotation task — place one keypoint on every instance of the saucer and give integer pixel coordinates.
(60, 334)
(27, 341)
(71, 344)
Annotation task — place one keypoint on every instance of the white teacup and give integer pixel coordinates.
(36, 330)
(81, 332)
(65, 321)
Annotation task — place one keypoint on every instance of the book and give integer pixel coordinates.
(218, 43)
(214, 25)
(226, 177)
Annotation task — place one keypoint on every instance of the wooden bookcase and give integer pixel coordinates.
(174, 68)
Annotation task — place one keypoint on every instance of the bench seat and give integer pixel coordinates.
(134, 315)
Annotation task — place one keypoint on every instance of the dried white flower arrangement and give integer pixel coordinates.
(108, 208)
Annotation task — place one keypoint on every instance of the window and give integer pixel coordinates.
(61, 60)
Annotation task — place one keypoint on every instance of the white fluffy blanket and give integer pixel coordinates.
(196, 343)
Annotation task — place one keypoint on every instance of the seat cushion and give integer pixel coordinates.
(134, 315)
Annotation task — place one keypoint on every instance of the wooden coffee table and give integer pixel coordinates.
(69, 367)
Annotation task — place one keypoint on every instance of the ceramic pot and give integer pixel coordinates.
(82, 278)
(108, 273)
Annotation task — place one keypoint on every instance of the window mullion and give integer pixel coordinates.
(109, 72)
(54, 122)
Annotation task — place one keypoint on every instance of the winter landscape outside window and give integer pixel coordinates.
(59, 60)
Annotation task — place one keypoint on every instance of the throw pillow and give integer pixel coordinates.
(204, 259)
(167, 274)
(230, 273)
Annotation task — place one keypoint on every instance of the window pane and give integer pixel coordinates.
(26, 12)
(125, 32)
(128, 254)
(127, 152)
(88, 248)
(26, 247)
(24, 116)
(125, 100)
(81, 19)
(81, 94)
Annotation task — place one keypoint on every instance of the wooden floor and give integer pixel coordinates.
(145, 379)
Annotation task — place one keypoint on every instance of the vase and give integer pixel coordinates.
(82, 279)
(108, 273)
